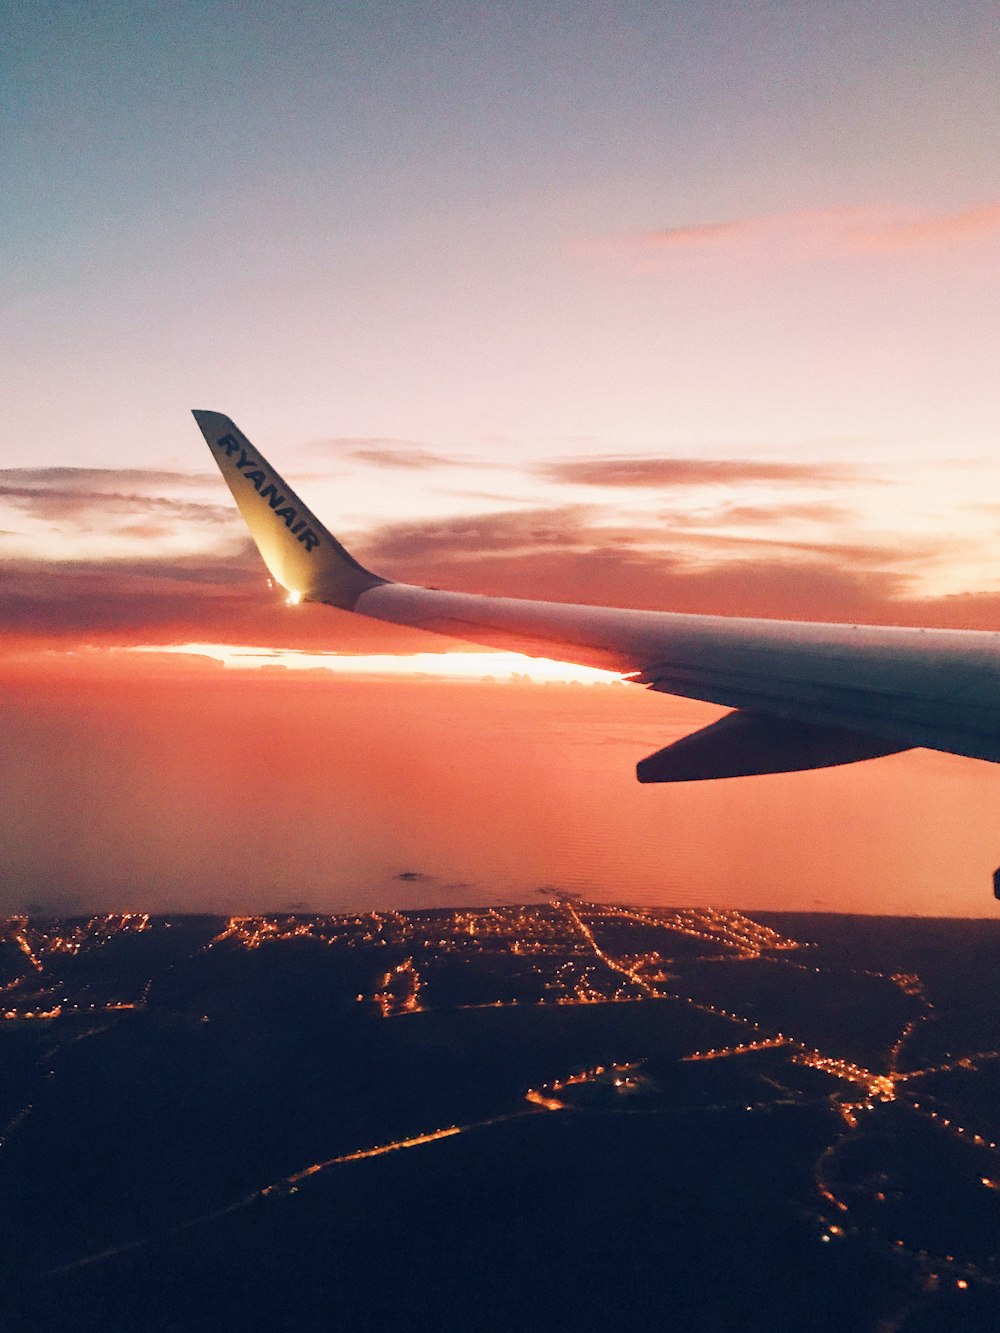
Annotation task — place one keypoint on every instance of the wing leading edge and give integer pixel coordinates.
(806, 695)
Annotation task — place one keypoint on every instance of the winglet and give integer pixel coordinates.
(301, 555)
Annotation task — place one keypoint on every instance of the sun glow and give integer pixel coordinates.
(447, 666)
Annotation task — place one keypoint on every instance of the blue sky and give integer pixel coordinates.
(415, 221)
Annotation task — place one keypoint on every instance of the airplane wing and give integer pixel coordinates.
(804, 695)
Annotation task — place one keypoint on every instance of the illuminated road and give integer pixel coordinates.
(724, 1052)
(630, 971)
(288, 1185)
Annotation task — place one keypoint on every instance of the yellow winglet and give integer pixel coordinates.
(300, 553)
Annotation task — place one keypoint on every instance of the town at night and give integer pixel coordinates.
(560, 1111)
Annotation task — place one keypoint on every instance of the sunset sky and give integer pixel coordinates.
(691, 306)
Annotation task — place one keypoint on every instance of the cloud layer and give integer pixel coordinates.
(120, 502)
(188, 571)
(819, 233)
(668, 472)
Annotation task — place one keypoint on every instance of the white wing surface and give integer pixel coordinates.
(805, 695)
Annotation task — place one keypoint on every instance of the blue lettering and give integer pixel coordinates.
(270, 494)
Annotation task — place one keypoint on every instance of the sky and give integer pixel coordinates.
(688, 306)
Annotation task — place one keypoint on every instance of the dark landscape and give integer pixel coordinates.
(560, 1115)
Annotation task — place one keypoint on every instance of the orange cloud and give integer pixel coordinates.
(661, 472)
(63, 499)
(816, 234)
(942, 230)
(748, 515)
(738, 230)
(379, 451)
(475, 534)
(404, 456)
